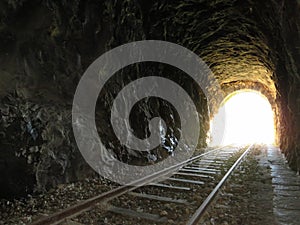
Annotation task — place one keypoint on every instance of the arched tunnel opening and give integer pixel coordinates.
(251, 47)
(248, 118)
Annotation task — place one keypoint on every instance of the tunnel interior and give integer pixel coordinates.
(47, 45)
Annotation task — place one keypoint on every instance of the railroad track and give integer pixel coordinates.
(181, 196)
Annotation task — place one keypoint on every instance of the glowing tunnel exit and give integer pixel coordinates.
(248, 118)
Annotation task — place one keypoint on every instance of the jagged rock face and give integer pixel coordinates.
(38, 150)
(47, 45)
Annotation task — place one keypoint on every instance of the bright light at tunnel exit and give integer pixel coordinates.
(248, 119)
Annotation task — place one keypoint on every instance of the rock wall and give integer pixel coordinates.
(45, 47)
(287, 46)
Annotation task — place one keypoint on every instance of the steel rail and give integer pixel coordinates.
(204, 206)
(85, 205)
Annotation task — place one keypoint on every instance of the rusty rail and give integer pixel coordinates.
(204, 206)
(85, 205)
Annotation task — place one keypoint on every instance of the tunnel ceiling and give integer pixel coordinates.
(231, 36)
(47, 45)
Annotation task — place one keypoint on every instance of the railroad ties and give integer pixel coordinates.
(180, 198)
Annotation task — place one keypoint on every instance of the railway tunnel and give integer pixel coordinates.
(46, 46)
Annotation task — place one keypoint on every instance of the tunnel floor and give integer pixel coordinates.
(286, 199)
(264, 190)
